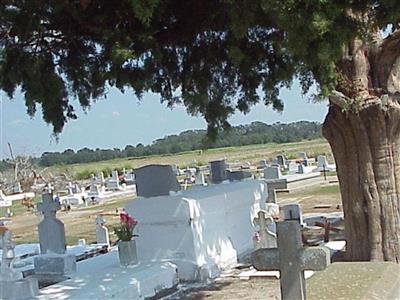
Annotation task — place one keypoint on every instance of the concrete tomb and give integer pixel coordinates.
(156, 180)
(202, 230)
(12, 284)
(112, 184)
(291, 259)
(102, 236)
(96, 192)
(304, 169)
(322, 164)
(218, 171)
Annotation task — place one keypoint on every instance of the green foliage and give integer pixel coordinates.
(85, 174)
(254, 133)
(212, 56)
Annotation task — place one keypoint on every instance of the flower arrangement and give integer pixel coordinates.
(124, 230)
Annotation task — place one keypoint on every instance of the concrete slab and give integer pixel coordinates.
(101, 277)
(356, 280)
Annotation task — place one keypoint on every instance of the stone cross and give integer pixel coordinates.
(51, 230)
(291, 259)
(267, 237)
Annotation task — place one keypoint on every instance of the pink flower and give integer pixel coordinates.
(123, 217)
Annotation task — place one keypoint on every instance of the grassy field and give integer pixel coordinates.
(251, 153)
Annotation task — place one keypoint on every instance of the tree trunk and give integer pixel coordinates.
(366, 147)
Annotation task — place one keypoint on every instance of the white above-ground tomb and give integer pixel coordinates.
(201, 230)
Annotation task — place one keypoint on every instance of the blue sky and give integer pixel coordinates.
(121, 120)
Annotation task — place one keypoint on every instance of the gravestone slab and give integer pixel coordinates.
(155, 180)
(272, 172)
(51, 230)
(356, 280)
(218, 171)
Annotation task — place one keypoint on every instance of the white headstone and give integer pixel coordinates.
(113, 182)
(293, 168)
(199, 178)
(102, 236)
(51, 230)
(322, 161)
(272, 172)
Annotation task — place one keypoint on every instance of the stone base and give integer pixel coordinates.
(356, 280)
(26, 288)
(53, 264)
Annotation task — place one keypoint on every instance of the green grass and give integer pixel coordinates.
(251, 153)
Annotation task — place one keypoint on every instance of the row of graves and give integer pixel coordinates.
(285, 175)
(100, 189)
(183, 237)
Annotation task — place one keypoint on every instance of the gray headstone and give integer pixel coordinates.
(281, 160)
(218, 171)
(291, 259)
(292, 212)
(155, 180)
(273, 172)
(51, 230)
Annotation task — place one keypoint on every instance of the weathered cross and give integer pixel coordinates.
(48, 206)
(291, 259)
(267, 237)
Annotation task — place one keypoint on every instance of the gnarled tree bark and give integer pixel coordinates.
(363, 129)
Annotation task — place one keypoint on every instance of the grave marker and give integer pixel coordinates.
(267, 237)
(218, 171)
(102, 236)
(291, 259)
(272, 172)
(155, 180)
(51, 230)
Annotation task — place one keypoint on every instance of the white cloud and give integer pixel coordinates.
(115, 114)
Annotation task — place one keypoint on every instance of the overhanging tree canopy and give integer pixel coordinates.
(213, 56)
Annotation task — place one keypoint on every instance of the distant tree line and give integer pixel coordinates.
(254, 133)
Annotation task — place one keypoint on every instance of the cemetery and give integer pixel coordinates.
(184, 236)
